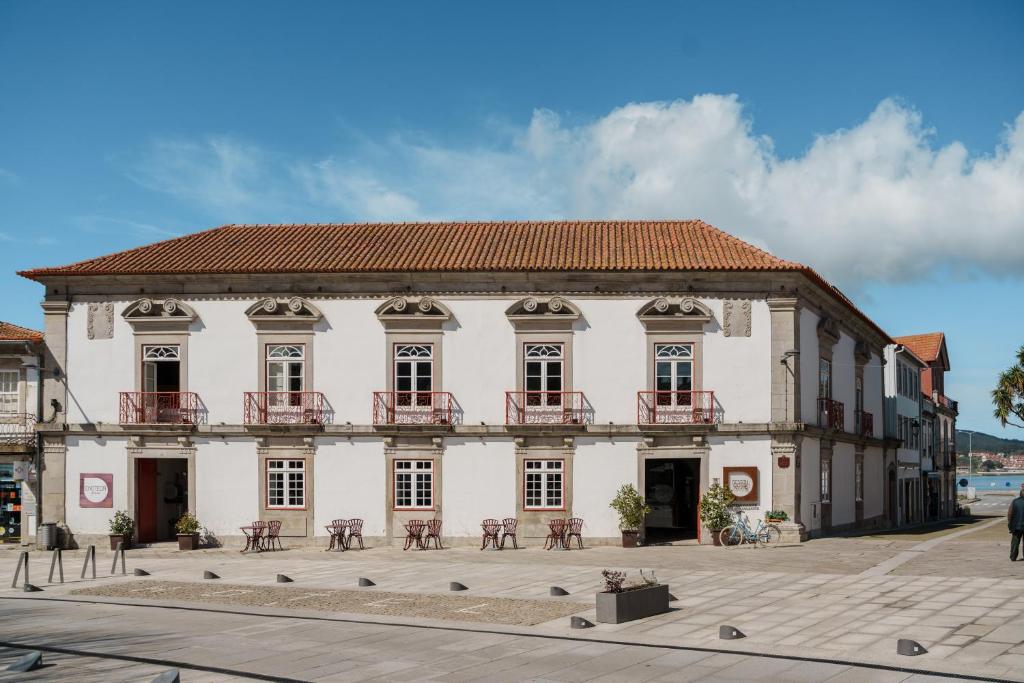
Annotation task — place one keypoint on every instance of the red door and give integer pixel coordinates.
(145, 487)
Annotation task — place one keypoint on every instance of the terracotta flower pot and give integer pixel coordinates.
(188, 541)
(629, 539)
(124, 539)
(716, 536)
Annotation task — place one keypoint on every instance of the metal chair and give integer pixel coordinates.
(355, 530)
(259, 531)
(414, 534)
(337, 531)
(490, 535)
(509, 525)
(273, 534)
(433, 532)
(556, 536)
(575, 528)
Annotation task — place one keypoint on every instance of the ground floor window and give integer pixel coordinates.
(826, 481)
(414, 484)
(858, 480)
(286, 483)
(543, 485)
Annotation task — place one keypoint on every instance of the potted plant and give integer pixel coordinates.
(714, 509)
(632, 509)
(776, 516)
(122, 528)
(620, 602)
(187, 528)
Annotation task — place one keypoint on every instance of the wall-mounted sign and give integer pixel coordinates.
(20, 470)
(96, 491)
(742, 482)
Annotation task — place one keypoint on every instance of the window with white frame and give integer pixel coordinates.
(161, 368)
(826, 481)
(543, 485)
(10, 394)
(543, 374)
(858, 480)
(286, 484)
(286, 373)
(673, 374)
(414, 484)
(414, 370)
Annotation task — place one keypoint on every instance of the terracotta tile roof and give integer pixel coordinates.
(459, 246)
(9, 332)
(925, 346)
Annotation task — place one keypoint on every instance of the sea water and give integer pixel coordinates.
(991, 482)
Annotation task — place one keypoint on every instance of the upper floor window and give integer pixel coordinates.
(543, 485)
(10, 396)
(673, 374)
(414, 369)
(826, 481)
(543, 373)
(161, 368)
(824, 378)
(286, 483)
(414, 484)
(285, 367)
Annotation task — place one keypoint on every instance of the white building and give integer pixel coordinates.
(904, 422)
(460, 372)
(20, 349)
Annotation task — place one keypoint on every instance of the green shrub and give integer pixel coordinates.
(777, 514)
(631, 508)
(187, 524)
(714, 507)
(122, 524)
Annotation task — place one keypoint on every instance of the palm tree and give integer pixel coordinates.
(1008, 396)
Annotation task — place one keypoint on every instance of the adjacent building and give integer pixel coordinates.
(460, 371)
(20, 350)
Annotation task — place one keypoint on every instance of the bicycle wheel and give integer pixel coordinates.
(769, 535)
(730, 537)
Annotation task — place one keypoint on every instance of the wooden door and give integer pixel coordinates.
(145, 493)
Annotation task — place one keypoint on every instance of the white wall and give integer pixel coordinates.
(600, 467)
(874, 482)
(745, 452)
(87, 455)
(350, 481)
(808, 366)
(810, 483)
(479, 482)
(873, 394)
(227, 485)
(844, 510)
(844, 373)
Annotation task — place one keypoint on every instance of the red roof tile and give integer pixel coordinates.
(925, 346)
(9, 332)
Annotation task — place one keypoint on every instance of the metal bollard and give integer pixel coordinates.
(56, 562)
(118, 552)
(22, 560)
(90, 553)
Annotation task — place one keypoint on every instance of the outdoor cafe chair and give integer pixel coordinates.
(274, 534)
(509, 525)
(575, 528)
(490, 535)
(355, 530)
(433, 532)
(556, 537)
(414, 534)
(337, 531)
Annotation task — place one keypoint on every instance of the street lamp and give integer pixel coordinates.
(970, 448)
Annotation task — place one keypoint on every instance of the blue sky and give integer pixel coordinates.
(881, 144)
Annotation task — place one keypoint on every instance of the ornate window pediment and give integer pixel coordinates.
(543, 313)
(290, 313)
(674, 314)
(411, 313)
(162, 314)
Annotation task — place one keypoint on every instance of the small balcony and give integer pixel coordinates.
(864, 423)
(160, 407)
(17, 429)
(547, 407)
(413, 408)
(284, 407)
(831, 414)
(676, 408)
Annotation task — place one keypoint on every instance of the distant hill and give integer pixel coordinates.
(989, 443)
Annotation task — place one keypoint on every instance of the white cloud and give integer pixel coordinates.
(879, 201)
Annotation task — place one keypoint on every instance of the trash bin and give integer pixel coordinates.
(48, 535)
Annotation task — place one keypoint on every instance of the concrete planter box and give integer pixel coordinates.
(616, 608)
(188, 541)
(124, 539)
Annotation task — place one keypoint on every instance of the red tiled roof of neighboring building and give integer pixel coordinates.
(10, 332)
(515, 246)
(925, 346)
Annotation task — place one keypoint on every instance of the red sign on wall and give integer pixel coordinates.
(96, 490)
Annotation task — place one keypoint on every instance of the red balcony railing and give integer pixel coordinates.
(159, 407)
(831, 414)
(864, 423)
(17, 429)
(284, 407)
(413, 407)
(547, 407)
(675, 407)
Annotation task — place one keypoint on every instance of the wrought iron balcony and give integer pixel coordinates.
(284, 407)
(864, 423)
(831, 414)
(676, 407)
(413, 408)
(547, 407)
(17, 429)
(159, 407)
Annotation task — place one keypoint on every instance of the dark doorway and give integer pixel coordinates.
(161, 486)
(672, 490)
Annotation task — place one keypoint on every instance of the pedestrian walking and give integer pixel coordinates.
(1015, 522)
